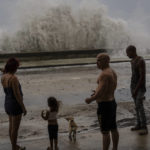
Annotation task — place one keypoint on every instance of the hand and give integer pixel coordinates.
(24, 111)
(93, 92)
(134, 94)
(42, 113)
(88, 100)
(2, 70)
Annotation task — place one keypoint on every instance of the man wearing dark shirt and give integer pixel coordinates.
(138, 88)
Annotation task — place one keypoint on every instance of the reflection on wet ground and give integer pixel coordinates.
(72, 86)
(89, 141)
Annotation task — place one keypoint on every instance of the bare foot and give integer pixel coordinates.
(49, 148)
(20, 148)
(57, 148)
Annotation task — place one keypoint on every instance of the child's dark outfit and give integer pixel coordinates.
(52, 128)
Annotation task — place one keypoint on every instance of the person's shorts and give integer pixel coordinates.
(53, 131)
(106, 113)
(12, 107)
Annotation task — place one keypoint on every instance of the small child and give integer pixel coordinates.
(72, 128)
(51, 117)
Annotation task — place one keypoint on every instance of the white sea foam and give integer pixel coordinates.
(53, 25)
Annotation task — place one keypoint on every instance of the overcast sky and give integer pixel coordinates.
(125, 8)
(129, 10)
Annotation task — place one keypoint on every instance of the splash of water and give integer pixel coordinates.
(64, 27)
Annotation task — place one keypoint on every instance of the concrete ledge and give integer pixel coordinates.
(53, 55)
(44, 63)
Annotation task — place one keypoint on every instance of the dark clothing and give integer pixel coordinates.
(139, 108)
(136, 75)
(12, 107)
(53, 131)
(106, 113)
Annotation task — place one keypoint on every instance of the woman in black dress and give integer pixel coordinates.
(14, 105)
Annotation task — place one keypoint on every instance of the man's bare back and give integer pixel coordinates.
(104, 95)
(107, 83)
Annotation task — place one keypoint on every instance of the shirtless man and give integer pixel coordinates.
(138, 88)
(104, 96)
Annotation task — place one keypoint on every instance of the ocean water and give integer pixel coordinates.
(71, 85)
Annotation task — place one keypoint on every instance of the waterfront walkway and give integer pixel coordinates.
(89, 141)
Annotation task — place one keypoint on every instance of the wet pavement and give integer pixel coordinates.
(89, 141)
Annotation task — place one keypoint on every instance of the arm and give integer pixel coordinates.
(67, 119)
(75, 125)
(45, 117)
(17, 94)
(2, 70)
(100, 89)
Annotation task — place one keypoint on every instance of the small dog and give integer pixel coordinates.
(72, 128)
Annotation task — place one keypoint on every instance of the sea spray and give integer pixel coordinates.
(65, 27)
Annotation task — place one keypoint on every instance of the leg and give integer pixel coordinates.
(74, 135)
(51, 144)
(50, 132)
(137, 113)
(56, 142)
(14, 133)
(10, 128)
(142, 117)
(56, 137)
(115, 138)
(103, 127)
(138, 124)
(106, 140)
(70, 135)
(105, 134)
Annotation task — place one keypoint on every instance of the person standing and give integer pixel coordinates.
(104, 96)
(51, 117)
(138, 88)
(14, 105)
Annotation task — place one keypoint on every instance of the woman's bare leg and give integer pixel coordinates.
(10, 128)
(14, 132)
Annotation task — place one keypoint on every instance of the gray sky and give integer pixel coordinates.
(125, 8)
(129, 10)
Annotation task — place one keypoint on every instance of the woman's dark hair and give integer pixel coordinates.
(11, 65)
(53, 104)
